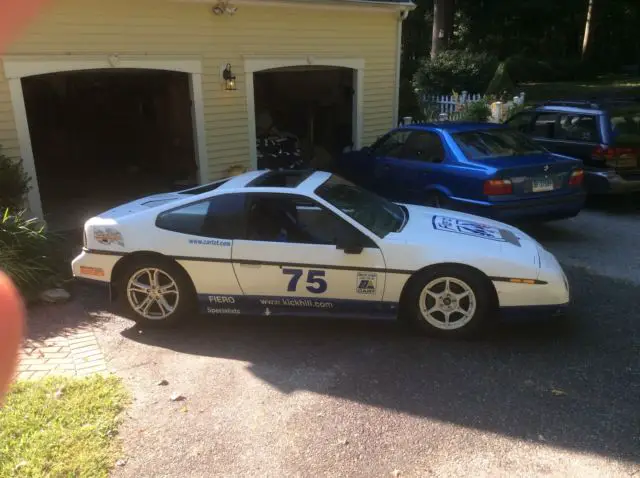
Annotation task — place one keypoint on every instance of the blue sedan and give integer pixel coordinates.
(484, 169)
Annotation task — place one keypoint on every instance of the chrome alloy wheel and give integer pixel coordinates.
(447, 303)
(153, 294)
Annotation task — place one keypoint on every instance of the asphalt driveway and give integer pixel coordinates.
(273, 397)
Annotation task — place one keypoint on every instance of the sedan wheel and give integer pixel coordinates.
(156, 292)
(449, 300)
(153, 294)
(447, 303)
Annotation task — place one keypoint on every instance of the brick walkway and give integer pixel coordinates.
(60, 341)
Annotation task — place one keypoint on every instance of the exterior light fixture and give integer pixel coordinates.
(229, 78)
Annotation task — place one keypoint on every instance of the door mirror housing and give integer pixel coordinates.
(350, 246)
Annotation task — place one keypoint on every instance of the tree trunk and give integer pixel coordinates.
(442, 25)
(587, 29)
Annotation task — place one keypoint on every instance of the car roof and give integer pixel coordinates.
(302, 181)
(455, 126)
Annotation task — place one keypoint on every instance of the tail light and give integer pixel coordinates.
(498, 187)
(617, 157)
(576, 178)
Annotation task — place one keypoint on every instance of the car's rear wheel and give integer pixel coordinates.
(438, 200)
(450, 300)
(156, 292)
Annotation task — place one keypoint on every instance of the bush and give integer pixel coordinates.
(456, 70)
(410, 103)
(14, 183)
(476, 111)
(28, 254)
(501, 85)
(523, 69)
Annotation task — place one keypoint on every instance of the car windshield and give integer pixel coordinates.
(494, 143)
(625, 124)
(372, 211)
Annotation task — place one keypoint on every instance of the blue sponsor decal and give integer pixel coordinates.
(292, 306)
(476, 229)
(210, 242)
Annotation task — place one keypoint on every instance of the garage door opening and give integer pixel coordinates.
(102, 137)
(304, 116)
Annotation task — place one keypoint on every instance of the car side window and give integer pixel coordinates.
(391, 144)
(297, 220)
(425, 146)
(575, 127)
(545, 125)
(221, 217)
(521, 122)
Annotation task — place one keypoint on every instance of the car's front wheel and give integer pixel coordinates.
(156, 292)
(450, 300)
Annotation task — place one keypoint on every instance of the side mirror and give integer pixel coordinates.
(349, 246)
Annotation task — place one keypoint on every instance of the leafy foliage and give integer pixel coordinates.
(456, 70)
(14, 183)
(501, 84)
(28, 254)
(476, 111)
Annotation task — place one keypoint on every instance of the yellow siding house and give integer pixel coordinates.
(201, 39)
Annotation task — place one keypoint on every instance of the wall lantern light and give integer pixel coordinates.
(229, 78)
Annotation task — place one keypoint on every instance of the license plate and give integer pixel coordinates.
(542, 185)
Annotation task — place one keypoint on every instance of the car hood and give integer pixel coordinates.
(451, 229)
(142, 204)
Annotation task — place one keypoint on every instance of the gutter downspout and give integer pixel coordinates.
(396, 100)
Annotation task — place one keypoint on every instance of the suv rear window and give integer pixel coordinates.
(495, 143)
(625, 124)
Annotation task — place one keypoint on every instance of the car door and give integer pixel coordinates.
(199, 236)
(419, 167)
(300, 258)
(383, 156)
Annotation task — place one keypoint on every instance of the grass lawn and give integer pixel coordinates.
(61, 427)
(611, 87)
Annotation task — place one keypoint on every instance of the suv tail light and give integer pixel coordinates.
(498, 187)
(617, 157)
(576, 178)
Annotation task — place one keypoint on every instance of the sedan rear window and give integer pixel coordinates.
(495, 143)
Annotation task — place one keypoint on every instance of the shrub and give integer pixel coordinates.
(28, 254)
(477, 111)
(14, 183)
(456, 70)
(410, 103)
(523, 69)
(501, 84)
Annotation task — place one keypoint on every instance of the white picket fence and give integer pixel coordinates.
(449, 107)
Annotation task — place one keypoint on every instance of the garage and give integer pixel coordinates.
(101, 137)
(304, 115)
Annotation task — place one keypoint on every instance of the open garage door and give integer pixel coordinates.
(101, 137)
(304, 116)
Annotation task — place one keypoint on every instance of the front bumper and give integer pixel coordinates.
(610, 182)
(94, 268)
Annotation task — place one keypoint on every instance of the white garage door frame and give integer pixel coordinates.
(16, 68)
(254, 65)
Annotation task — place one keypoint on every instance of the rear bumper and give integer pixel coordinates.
(609, 182)
(557, 207)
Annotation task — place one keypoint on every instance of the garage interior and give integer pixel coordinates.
(304, 116)
(102, 137)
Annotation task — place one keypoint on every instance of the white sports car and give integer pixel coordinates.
(310, 243)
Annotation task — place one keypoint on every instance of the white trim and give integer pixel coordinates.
(16, 68)
(26, 152)
(253, 65)
(353, 5)
(396, 93)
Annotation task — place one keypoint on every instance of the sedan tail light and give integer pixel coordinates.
(498, 187)
(576, 178)
(617, 157)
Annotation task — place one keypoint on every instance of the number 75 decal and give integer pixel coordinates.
(317, 285)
